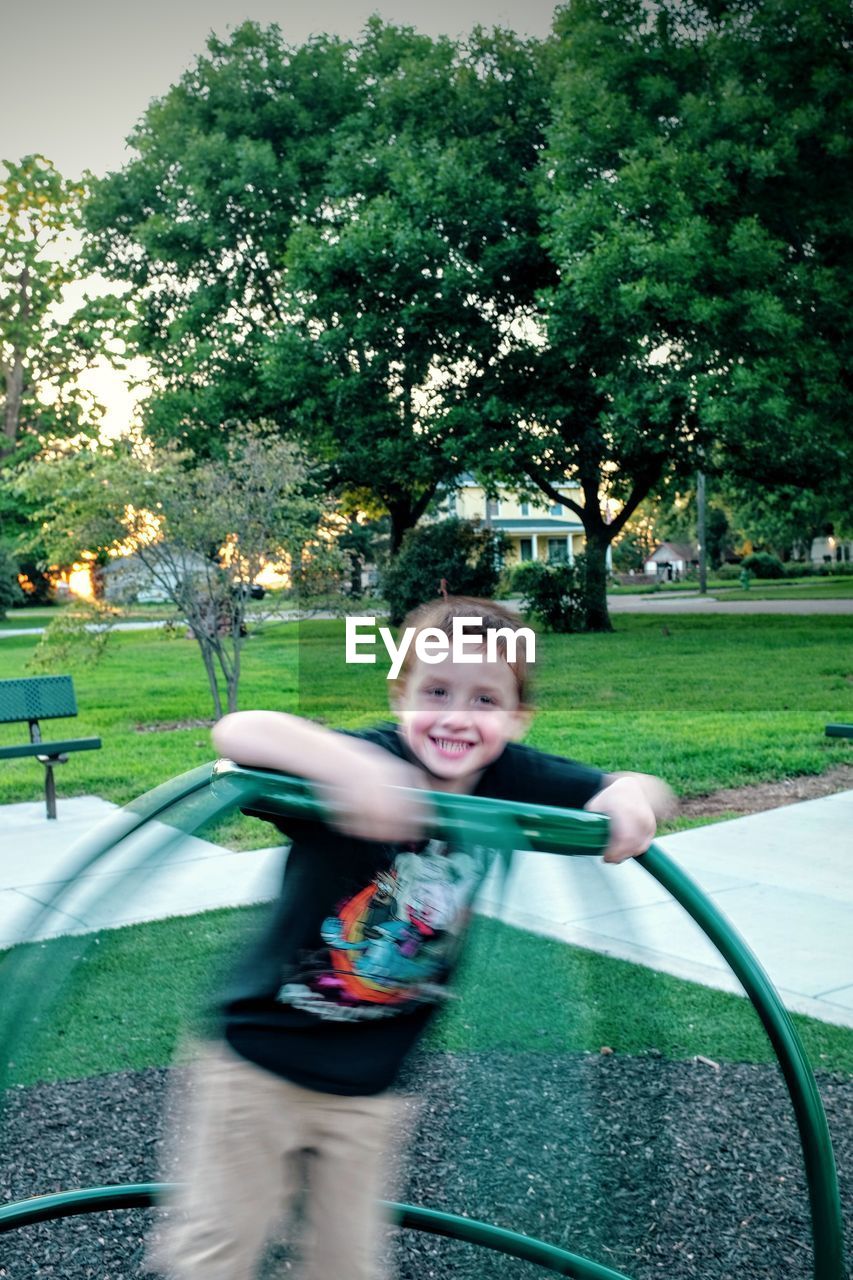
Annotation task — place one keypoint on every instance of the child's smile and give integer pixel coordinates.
(456, 718)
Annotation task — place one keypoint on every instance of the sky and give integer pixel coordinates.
(78, 74)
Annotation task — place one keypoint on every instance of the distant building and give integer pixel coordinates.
(127, 579)
(831, 551)
(536, 529)
(672, 560)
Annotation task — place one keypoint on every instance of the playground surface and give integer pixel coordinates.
(780, 876)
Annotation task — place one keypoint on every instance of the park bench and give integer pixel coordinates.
(42, 698)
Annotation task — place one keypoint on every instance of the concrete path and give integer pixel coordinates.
(687, 602)
(781, 877)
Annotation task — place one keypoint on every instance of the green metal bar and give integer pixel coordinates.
(824, 1199)
(144, 1195)
(839, 731)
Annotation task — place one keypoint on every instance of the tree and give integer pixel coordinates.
(699, 302)
(338, 237)
(420, 266)
(42, 354)
(203, 533)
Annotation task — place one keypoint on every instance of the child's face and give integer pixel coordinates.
(457, 717)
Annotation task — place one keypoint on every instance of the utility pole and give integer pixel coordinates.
(700, 531)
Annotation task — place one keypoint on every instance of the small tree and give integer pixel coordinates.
(201, 533)
(456, 556)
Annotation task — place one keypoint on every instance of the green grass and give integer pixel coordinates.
(706, 702)
(131, 993)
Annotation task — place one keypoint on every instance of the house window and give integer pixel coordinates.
(525, 508)
(451, 504)
(558, 552)
(525, 549)
(557, 509)
(493, 508)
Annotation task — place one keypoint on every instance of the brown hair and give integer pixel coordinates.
(491, 616)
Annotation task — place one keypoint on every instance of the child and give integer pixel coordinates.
(364, 936)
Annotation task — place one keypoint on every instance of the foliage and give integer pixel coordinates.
(77, 637)
(338, 237)
(42, 352)
(555, 594)
(10, 592)
(763, 564)
(609, 259)
(458, 555)
(692, 202)
(201, 533)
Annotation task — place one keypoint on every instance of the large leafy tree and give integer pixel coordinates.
(338, 237)
(226, 163)
(421, 266)
(691, 204)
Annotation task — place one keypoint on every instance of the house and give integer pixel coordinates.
(127, 579)
(672, 560)
(831, 550)
(536, 528)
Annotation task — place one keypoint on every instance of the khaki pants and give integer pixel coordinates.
(251, 1134)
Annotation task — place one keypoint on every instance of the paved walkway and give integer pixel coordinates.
(781, 877)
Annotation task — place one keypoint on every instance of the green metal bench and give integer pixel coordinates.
(32, 700)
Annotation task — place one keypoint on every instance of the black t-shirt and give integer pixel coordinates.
(364, 936)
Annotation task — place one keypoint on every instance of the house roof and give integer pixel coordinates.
(675, 551)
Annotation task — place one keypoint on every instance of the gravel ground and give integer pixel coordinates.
(657, 1168)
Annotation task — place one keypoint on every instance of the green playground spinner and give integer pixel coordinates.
(188, 802)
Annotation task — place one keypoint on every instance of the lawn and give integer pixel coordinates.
(130, 994)
(705, 701)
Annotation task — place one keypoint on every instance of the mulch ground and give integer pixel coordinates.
(655, 1168)
(767, 795)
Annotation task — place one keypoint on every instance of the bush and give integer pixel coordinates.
(465, 555)
(728, 572)
(555, 594)
(10, 592)
(764, 565)
(800, 569)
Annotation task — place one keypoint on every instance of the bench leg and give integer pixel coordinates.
(50, 791)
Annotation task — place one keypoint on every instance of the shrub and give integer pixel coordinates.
(764, 565)
(465, 555)
(555, 594)
(800, 569)
(10, 592)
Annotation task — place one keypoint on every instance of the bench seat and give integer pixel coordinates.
(50, 748)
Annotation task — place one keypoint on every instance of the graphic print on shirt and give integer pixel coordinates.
(392, 945)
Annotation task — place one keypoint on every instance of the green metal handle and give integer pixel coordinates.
(145, 1195)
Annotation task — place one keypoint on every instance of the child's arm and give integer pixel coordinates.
(359, 777)
(633, 802)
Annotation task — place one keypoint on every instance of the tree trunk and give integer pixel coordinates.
(210, 668)
(597, 616)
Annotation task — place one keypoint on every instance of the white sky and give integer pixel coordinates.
(78, 74)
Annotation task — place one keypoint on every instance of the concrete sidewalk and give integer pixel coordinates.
(783, 878)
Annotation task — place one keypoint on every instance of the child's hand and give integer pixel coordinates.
(633, 803)
(367, 802)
